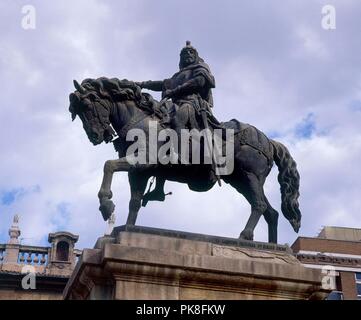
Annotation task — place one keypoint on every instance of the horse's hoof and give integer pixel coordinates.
(106, 208)
(246, 234)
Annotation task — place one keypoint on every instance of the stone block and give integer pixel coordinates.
(145, 263)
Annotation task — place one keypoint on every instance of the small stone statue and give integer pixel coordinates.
(14, 231)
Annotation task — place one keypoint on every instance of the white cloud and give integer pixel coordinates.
(272, 67)
(312, 44)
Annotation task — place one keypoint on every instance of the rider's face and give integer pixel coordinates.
(188, 56)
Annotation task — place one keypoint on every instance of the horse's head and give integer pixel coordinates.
(93, 111)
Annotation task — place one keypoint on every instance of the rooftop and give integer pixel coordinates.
(340, 233)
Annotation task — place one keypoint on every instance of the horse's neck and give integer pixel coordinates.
(122, 113)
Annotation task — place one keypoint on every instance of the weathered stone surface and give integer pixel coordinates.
(139, 265)
(118, 231)
(12, 294)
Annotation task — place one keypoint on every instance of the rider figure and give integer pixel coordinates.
(191, 85)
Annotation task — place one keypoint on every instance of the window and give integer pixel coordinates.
(358, 285)
(62, 251)
(335, 295)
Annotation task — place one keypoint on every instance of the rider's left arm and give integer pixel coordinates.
(190, 86)
(152, 85)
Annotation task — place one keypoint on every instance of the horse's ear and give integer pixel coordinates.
(78, 87)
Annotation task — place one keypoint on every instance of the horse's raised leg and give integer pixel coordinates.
(105, 194)
(256, 198)
(138, 183)
(271, 217)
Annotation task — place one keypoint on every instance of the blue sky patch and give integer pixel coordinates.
(8, 197)
(62, 215)
(306, 128)
(273, 134)
(355, 105)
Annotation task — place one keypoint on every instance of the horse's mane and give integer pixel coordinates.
(112, 89)
(116, 90)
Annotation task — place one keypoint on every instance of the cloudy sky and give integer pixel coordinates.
(275, 67)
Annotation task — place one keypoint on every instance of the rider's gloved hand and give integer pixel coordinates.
(140, 84)
(168, 93)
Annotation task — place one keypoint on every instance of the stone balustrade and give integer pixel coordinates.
(33, 255)
(30, 255)
(53, 264)
(2, 253)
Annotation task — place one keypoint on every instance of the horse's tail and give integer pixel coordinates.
(289, 180)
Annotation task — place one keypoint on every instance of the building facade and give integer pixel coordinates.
(337, 251)
(33, 272)
(41, 273)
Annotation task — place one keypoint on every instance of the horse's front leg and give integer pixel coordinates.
(105, 194)
(138, 182)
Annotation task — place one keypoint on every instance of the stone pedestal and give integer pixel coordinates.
(146, 263)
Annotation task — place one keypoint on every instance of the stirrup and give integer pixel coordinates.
(145, 199)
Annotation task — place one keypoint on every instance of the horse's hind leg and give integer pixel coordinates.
(253, 191)
(138, 183)
(271, 217)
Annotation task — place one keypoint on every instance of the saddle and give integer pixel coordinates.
(244, 133)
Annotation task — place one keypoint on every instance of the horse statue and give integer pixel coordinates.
(110, 107)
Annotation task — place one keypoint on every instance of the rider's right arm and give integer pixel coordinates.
(153, 85)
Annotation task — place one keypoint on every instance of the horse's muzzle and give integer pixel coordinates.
(95, 138)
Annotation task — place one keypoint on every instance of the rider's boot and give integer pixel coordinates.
(157, 194)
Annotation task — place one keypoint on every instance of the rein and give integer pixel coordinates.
(136, 119)
(107, 125)
(104, 124)
(124, 130)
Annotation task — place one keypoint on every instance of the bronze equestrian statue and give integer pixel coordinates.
(113, 107)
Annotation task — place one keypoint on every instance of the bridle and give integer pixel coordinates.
(104, 123)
